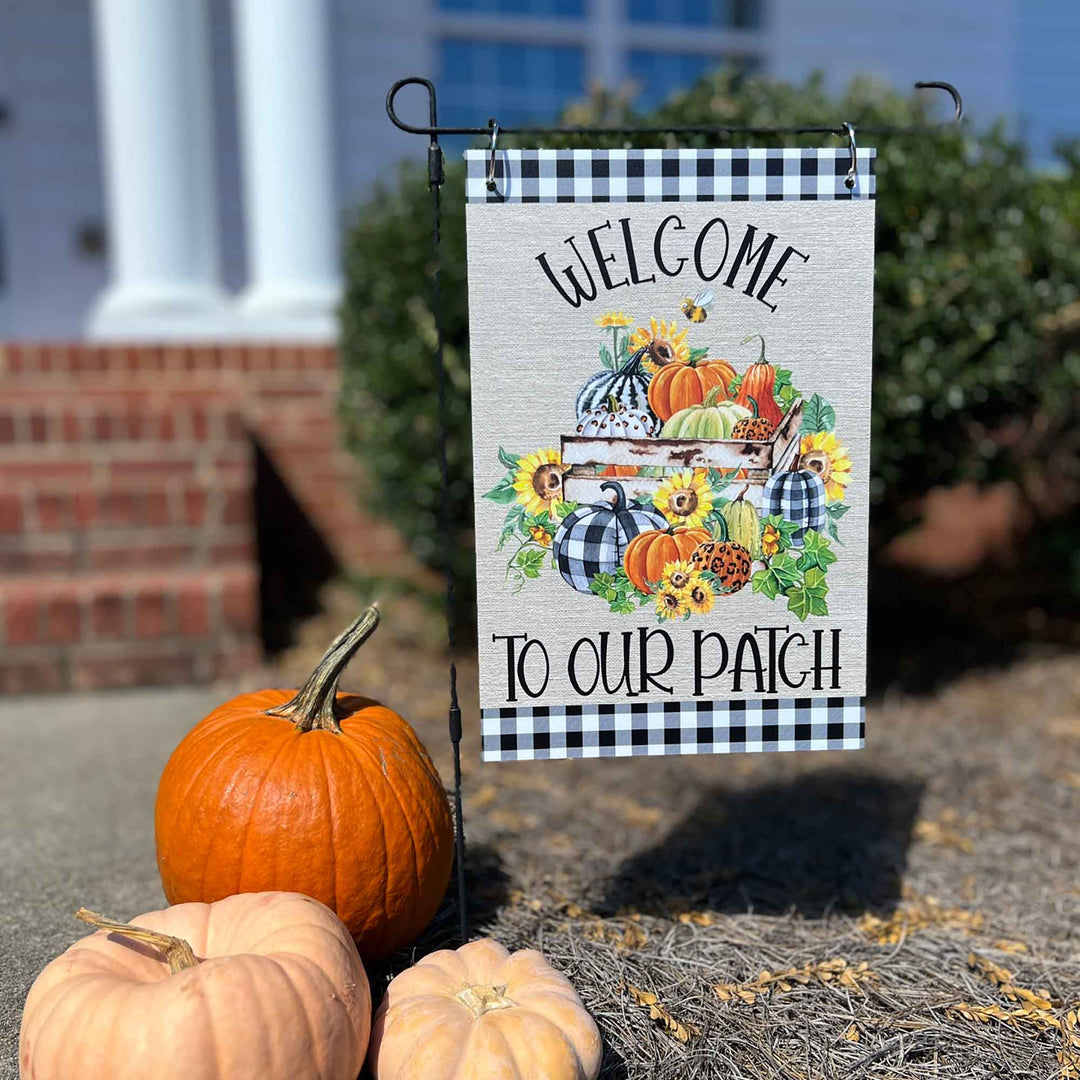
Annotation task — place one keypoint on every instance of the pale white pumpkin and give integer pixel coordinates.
(260, 986)
(483, 1013)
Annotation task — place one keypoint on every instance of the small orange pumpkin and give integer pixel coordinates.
(620, 470)
(677, 386)
(482, 1012)
(310, 791)
(649, 552)
(757, 385)
(275, 973)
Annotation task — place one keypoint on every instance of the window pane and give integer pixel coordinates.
(658, 74)
(732, 14)
(561, 9)
(513, 82)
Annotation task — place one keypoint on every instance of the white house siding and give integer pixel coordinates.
(50, 167)
(1015, 58)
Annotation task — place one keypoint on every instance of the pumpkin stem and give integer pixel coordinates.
(753, 406)
(712, 397)
(484, 997)
(315, 704)
(761, 358)
(620, 496)
(742, 494)
(177, 951)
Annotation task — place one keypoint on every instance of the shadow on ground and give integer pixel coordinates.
(829, 840)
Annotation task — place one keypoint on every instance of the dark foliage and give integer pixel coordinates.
(977, 363)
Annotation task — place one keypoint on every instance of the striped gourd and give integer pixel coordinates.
(629, 386)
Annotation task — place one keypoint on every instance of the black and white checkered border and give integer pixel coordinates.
(767, 174)
(632, 729)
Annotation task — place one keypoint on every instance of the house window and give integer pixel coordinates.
(557, 9)
(658, 74)
(719, 14)
(512, 81)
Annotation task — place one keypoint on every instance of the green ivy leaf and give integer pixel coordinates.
(836, 510)
(764, 581)
(623, 349)
(623, 605)
(734, 385)
(817, 552)
(530, 561)
(565, 509)
(814, 582)
(803, 603)
(786, 396)
(509, 460)
(696, 355)
(780, 574)
(606, 359)
(818, 415)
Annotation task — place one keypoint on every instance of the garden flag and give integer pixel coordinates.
(670, 357)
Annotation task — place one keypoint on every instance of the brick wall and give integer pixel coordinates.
(129, 552)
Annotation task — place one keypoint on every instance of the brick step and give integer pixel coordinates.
(74, 358)
(30, 422)
(126, 629)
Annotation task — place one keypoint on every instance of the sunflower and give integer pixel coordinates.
(671, 603)
(614, 318)
(770, 541)
(677, 575)
(700, 597)
(664, 343)
(540, 535)
(823, 454)
(685, 498)
(538, 482)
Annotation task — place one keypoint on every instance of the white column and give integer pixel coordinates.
(154, 98)
(286, 135)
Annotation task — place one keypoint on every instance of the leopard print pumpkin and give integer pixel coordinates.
(753, 429)
(729, 562)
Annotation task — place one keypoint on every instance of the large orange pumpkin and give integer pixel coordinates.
(649, 552)
(312, 791)
(757, 386)
(266, 986)
(678, 386)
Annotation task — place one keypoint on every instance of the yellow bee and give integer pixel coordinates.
(697, 310)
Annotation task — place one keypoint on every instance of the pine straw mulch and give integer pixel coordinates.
(909, 911)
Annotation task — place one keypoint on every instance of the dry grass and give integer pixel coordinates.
(905, 912)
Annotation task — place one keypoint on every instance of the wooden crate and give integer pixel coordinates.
(588, 457)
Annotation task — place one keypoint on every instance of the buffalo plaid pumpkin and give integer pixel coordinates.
(592, 540)
(798, 497)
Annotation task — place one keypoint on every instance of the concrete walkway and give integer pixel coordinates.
(78, 777)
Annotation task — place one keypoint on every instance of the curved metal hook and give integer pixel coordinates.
(494, 126)
(853, 150)
(958, 101)
(433, 121)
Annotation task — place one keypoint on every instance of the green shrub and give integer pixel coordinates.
(974, 251)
